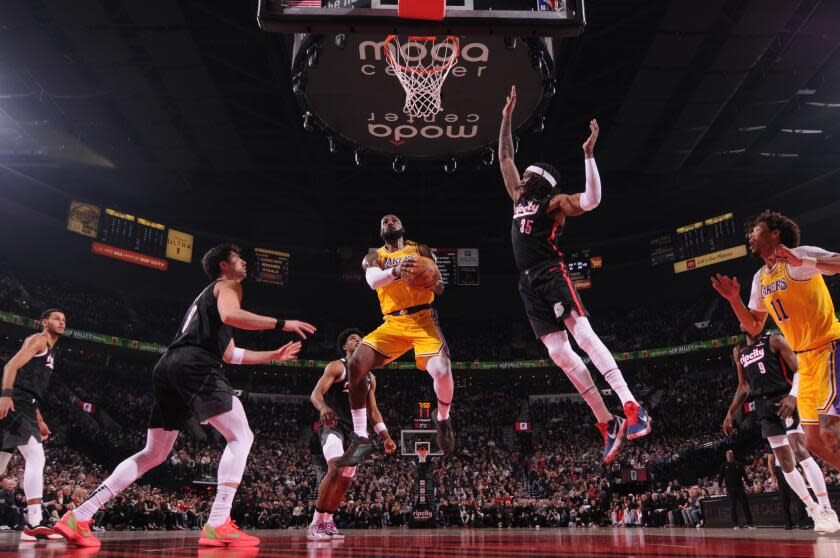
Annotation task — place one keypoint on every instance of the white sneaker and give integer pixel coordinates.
(831, 515)
(823, 522)
(332, 531)
(317, 532)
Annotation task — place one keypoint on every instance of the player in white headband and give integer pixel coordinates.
(553, 305)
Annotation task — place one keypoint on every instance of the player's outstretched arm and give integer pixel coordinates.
(229, 303)
(822, 261)
(506, 150)
(572, 205)
(752, 321)
(738, 399)
(238, 355)
(377, 420)
(331, 373)
(33, 345)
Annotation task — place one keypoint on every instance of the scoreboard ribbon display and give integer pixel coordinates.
(271, 266)
(707, 242)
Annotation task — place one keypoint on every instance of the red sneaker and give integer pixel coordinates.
(75, 531)
(226, 534)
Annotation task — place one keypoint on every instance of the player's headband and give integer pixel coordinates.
(544, 173)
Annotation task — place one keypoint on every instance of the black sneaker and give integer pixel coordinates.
(358, 449)
(446, 436)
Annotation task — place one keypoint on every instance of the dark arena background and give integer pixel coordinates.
(136, 135)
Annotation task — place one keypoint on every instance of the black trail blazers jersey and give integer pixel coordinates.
(337, 396)
(534, 233)
(202, 327)
(764, 370)
(34, 377)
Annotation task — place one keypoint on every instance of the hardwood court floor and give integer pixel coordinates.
(460, 543)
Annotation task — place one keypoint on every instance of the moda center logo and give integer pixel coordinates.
(397, 127)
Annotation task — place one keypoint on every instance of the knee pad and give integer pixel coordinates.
(561, 351)
(778, 441)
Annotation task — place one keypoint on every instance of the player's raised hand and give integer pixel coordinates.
(510, 104)
(727, 287)
(786, 407)
(6, 405)
(301, 328)
(786, 255)
(289, 351)
(728, 425)
(589, 144)
(328, 417)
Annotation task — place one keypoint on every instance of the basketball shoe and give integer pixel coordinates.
(358, 449)
(446, 436)
(227, 534)
(613, 433)
(75, 531)
(638, 421)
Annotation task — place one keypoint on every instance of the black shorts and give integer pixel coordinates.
(549, 295)
(19, 425)
(188, 383)
(766, 412)
(342, 429)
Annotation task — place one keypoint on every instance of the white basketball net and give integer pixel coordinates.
(422, 64)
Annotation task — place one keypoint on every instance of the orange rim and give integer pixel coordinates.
(418, 38)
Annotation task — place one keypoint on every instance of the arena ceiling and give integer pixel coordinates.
(183, 110)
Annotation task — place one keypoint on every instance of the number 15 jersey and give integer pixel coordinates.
(798, 300)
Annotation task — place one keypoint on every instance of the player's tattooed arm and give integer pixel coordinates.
(331, 373)
(738, 399)
(33, 345)
(506, 150)
(426, 252)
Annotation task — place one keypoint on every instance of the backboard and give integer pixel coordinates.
(411, 440)
(536, 18)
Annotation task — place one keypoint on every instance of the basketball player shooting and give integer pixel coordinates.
(406, 279)
(26, 378)
(552, 303)
(187, 382)
(331, 399)
(768, 382)
(790, 287)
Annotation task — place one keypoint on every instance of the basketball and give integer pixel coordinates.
(423, 275)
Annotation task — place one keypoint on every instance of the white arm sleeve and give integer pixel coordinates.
(794, 389)
(803, 272)
(756, 303)
(590, 199)
(378, 277)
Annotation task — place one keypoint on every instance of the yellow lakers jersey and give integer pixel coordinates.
(802, 308)
(398, 294)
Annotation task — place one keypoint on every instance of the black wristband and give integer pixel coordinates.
(281, 324)
(7, 392)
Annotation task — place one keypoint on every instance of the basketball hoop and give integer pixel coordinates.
(422, 64)
(422, 454)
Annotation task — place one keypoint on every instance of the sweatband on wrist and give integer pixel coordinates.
(794, 389)
(280, 324)
(238, 356)
(809, 262)
(7, 392)
(379, 427)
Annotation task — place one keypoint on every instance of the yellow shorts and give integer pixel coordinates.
(420, 331)
(818, 370)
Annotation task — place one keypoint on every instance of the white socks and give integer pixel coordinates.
(816, 480)
(318, 518)
(797, 483)
(328, 517)
(97, 499)
(440, 369)
(33, 513)
(221, 505)
(360, 421)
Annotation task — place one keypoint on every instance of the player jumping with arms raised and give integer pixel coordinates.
(552, 303)
(410, 321)
(188, 381)
(769, 382)
(331, 398)
(790, 287)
